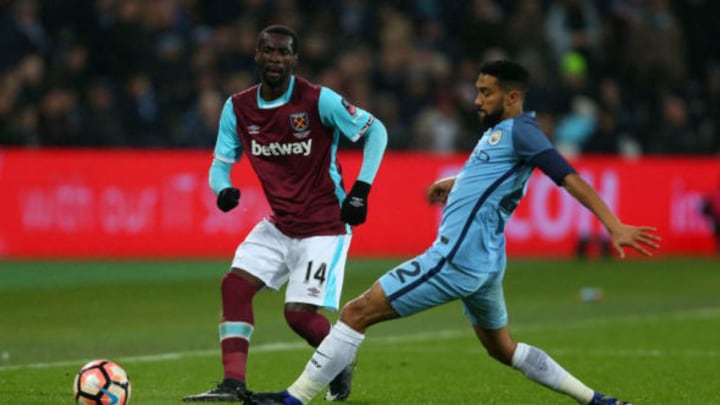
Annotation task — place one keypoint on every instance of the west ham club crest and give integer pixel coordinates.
(300, 122)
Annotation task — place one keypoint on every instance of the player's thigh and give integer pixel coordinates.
(485, 308)
(317, 270)
(419, 284)
(263, 254)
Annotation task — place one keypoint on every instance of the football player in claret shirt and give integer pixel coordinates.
(289, 129)
(466, 261)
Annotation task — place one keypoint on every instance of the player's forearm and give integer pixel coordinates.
(219, 176)
(373, 151)
(588, 197)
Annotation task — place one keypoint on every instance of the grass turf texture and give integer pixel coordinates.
(653, 339)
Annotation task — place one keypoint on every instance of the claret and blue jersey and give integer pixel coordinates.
(291, 143)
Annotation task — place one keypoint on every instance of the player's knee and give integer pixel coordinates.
(498, 345)
(354, 313)
(296, 319)
(234, 285)
(501, 351)
(500, 355)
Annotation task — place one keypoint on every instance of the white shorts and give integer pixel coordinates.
(313, 267)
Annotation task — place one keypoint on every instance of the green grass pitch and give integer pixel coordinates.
(653, 339)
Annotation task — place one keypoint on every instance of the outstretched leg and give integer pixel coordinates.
(538, 366)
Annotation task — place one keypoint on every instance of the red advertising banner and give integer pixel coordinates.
(157, 204)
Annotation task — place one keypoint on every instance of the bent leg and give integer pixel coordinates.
(307, 322)
(316, 272)
(413, 286)
(339, 348)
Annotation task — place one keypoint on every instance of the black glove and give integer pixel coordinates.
(354, 207)
(228, 199)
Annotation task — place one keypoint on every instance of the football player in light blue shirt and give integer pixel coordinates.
(467, 259)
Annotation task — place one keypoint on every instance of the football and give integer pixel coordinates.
(101, 382)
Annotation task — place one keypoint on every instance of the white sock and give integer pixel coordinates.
(336, 352)
(539, 367)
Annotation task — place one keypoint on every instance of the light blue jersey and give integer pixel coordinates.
(486, 192)
(467, 260)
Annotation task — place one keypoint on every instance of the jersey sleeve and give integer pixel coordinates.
(228, 150)
(532, 144)
(528, 139)
(227, 146)
(335, 111)
(373, 150)
(219, 176)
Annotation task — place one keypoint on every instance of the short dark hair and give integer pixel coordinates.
(282, 30)
(510, 75)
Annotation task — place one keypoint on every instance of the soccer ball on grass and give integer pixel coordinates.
(101, 382)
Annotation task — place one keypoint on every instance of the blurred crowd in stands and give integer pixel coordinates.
(608, 76)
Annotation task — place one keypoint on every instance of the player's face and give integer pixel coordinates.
(490, 101)
(275, 59)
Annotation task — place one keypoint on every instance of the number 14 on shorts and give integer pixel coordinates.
(318, 274)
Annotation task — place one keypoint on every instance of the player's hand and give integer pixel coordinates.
(438, 192)
(636, 237)
(354, 207)
(228, 198)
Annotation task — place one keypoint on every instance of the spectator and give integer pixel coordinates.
(711, 209)
(125, 42)
(482, 19)
(21, 32)
(614, 132)
(388, 111)
(7, 104)
(103, 126)
(142, 112)
(59, 119)
(709, 121)
(73, 68)
(606, 137)
(523, 26)
(674, 133)
(162, 57)
(30, 75)
(580, 119)
(573, 26)
(200, 124)
(438, 126)
(656, 46)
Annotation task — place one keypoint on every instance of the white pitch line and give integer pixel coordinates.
(703, 313)
(636, 353)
